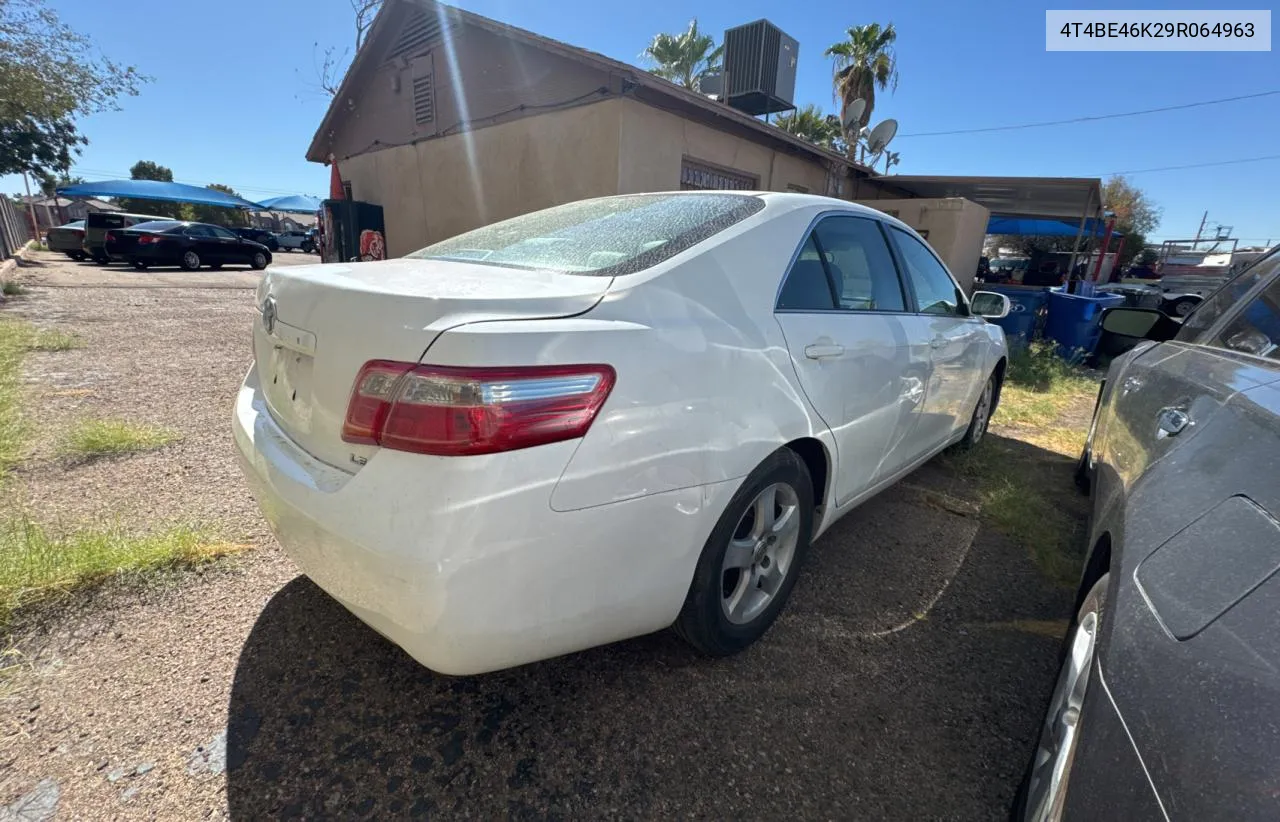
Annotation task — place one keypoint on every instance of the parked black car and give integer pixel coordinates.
(1167, 701)
(259, 235)
(189, 245)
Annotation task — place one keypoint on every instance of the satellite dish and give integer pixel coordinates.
(881, 135)
(851, 113)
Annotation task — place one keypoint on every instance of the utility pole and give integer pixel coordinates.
(31, 209)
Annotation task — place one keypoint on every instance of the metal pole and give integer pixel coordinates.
(1102, 252)
(1075, 249)
(1201, 228)
(31, 208)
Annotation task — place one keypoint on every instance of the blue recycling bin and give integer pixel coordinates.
(1026, 304)
(1073, 321)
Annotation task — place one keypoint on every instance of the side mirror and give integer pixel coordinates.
(989, 305)
(1141, 323)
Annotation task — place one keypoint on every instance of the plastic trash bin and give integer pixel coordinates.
(1026, 304)
(1073, 322)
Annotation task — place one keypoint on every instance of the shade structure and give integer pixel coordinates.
(157, 190)
(298, 203)
(1030, 227)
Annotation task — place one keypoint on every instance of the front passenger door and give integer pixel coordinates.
(957, 342)
(840, 309)
(230, 247)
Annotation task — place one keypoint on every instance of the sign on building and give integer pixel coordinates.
(695, 175)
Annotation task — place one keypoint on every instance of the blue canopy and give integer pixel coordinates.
(157, 190)
(1028, 226)
(298, 203)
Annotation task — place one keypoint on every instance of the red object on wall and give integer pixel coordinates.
(335, 182)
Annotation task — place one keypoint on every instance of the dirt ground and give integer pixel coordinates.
(905, 679)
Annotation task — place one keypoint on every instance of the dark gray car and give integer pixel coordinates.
(1168, 701)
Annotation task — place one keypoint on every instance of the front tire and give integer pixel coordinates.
(751, 561)
(981, 418)
(190, 260)
(258, 261)
(1043, 793)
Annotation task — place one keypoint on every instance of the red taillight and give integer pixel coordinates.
(111, 237)
(147, 239)
(431, 409)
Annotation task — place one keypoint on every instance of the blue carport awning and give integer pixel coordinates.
(1031, 227)
(157, 190)
(297, 203)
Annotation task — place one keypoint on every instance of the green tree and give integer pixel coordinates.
(684, 58)
(809, 123)
(864, 61)
(219, 215)
(49, 77)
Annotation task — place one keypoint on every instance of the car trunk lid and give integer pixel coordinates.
(319, 324)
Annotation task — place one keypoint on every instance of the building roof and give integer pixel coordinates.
(1070, 198)
(646, 86)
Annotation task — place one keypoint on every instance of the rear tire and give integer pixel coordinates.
(140, 265)
(190, 260)
(981, 418)
(751, 561)
(79, 256)
(101, 259)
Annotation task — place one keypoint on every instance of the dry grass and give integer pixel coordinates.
(1039, 396)
(36, 565)
(12, 288)
(101, 438)
(15, 338)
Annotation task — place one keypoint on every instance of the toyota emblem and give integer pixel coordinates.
(269, 314)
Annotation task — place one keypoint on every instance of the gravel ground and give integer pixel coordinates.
(905, 679)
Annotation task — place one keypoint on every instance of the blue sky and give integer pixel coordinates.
(234, 98)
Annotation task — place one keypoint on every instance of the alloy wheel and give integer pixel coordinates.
(760, 553)
(1052, 766)
(982, 414)
(191, 260)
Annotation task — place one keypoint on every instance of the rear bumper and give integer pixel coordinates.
(461, 561)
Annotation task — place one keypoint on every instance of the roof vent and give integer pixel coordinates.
(416, 37)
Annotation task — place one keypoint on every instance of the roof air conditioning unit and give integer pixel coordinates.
(760, 67)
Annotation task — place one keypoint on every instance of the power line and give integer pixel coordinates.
(1092, 118)
(1195, 165)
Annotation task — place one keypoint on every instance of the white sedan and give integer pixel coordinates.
(603, 419)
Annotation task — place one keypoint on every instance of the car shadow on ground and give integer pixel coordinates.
(905, 679)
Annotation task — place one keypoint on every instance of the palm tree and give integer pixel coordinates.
(864, 62)
(809, 123)
(683, 58)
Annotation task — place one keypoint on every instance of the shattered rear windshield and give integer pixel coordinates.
(603, 237)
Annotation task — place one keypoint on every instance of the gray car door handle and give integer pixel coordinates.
(1171, 421)
(937, 342)
(821, 352)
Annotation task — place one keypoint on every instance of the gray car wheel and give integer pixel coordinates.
(259, 261)
(981, 418)
(1044, 790)
(190, 260)
(750, 562)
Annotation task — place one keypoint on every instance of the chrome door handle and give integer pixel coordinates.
(822, 352)
(1170, 422)
(937, 342)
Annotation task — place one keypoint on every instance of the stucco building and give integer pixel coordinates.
(450, 120)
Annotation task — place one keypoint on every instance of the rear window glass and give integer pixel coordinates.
(158, 225)
(603, 237)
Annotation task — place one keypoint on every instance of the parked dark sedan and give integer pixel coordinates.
(189, 245)
(259, 235)
(1168, 698)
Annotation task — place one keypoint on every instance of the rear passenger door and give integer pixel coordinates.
(841, 308)
(204, 243)
(956, 340)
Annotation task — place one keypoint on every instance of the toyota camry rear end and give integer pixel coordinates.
(408, 428)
